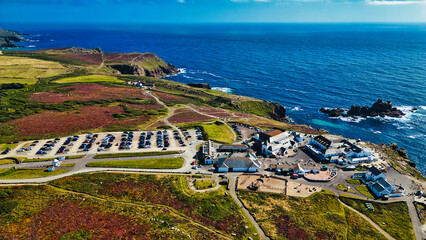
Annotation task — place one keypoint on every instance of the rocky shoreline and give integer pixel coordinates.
(378, 109)
(8, 37)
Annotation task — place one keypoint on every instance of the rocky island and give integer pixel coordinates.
(7, 37)
(379, 109)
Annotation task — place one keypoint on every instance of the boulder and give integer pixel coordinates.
(200, 85)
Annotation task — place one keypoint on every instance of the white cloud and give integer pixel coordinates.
(396, 2)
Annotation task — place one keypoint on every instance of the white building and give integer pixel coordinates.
(377, 183)
(238, 162)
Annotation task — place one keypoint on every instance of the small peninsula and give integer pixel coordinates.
(7, 37)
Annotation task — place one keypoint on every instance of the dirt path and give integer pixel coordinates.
(181, 215)
(370, 221)
(232, 186)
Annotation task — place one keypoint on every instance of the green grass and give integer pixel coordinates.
(6, 161)
(135, 154)
(350, 196)
(90, 78)
(365, 191)
(153, 163)
(4, 146)
(22, 173)
(354, 181)
(343, 187)
(51, 159)
(68, 165)
(204, 184)
(219, 133)
(395, 216)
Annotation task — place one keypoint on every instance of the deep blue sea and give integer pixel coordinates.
(302, 66)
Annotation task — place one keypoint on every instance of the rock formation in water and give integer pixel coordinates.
(379, 109)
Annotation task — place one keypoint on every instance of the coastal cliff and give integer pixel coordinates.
(7, 37)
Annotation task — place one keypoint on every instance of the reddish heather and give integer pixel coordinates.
(87, 92)
(50, 122)
(288, 229)
(214, 111)
(129, 57)
(95, 59)
(184, 115)
(63, 216)
(171, 98)
(144, 107)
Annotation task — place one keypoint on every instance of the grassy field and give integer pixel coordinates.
(319, 216)
(219, 133)
(68, 165)
(354, 181)
(27, 70)
(5, 145)
(365, 191)
(201, 184)
(154, 163)
(215, 209)
(22, 173)
(392, 217)
(90, 78)
(136, 154)
(343, 187)
(6, 161)
(51, 159)
(37, 211)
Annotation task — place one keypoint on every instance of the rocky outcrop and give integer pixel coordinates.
(135, 69)
(200, 85)
(7, 37)
(278, 112)
(379, 109)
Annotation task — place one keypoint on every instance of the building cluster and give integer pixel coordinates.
(341, 151)
(141, 85)
(377, 183)
(230, 158)
(277, 142)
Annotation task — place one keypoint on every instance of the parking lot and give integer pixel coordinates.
(107, 142)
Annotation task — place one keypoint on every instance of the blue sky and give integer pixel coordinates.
(195, 11)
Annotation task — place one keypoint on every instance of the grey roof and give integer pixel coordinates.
(324, 141)
(384, 183)
(241, 160)
(374, 171)
(377, 187)
(235, 147)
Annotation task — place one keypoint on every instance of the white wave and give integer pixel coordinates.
(33, 40)
(352, 119)
(412, 136)
(222, 89)
(297, 108)
(190, 77)
(375, 131)
(52, 40)
(182, 70)
(31, 46)
(422, 107)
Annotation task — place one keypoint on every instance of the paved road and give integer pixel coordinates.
(232, 185)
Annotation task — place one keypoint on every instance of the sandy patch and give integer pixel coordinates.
(300, 190)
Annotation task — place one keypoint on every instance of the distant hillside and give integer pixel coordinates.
(7, 37)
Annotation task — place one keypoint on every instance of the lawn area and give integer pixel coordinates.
(51, 159)
(6, 161)
(215, 209)
(68, 165)
(365, 191)
(201, 184)
(319, 216)
(394, 215)
(22, 173)
(343, 187)
(219, 133)
(354, 181)
(135, 154)
(5, 145)
(90, 78)
(154, 163)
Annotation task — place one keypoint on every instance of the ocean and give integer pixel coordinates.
(302, 66)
